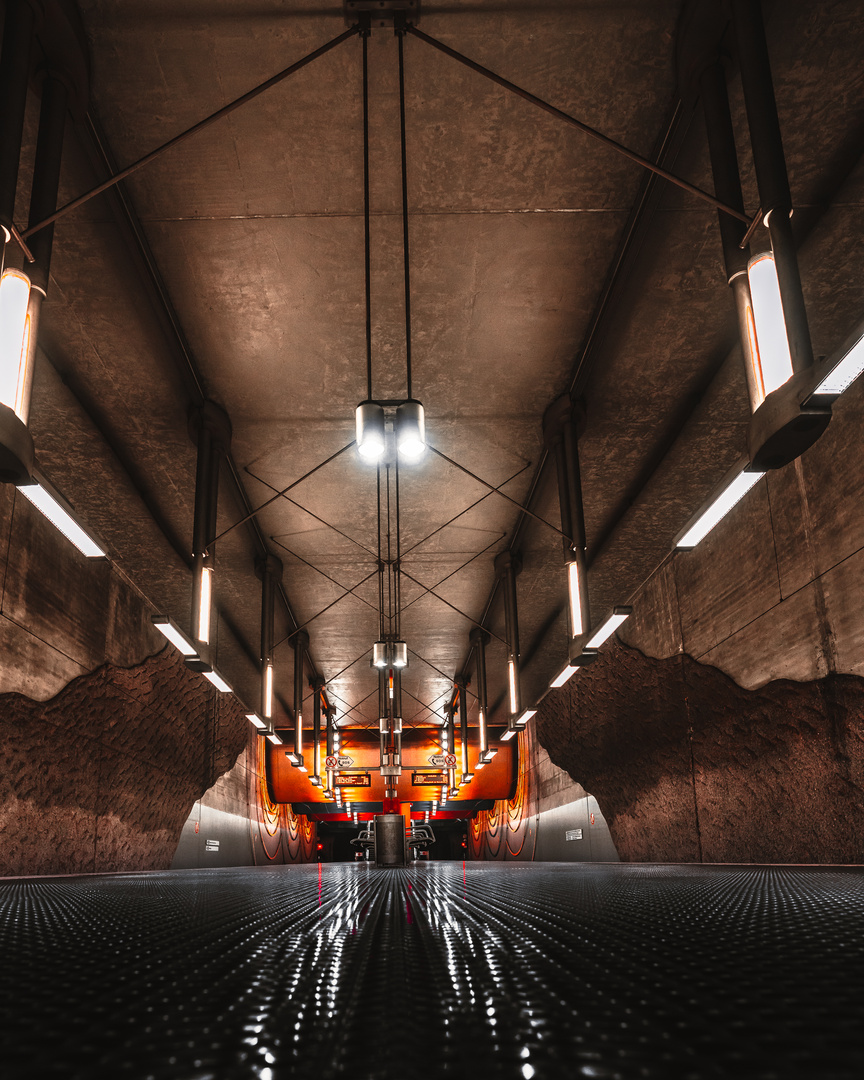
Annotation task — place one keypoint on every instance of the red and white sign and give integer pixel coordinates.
(331, 761)
(450, 761)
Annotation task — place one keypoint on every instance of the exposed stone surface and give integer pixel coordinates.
(103, 776)
(689, 766)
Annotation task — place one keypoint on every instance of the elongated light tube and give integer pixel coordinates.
(217, 680)
(14, 339)
(608, 627)
(576, 627)
(511, 682)
(844, 373)
(205, 597)
(525, 717)
(62, 520)
(508, 734)
(268, 691)
(175, 635)
(274, 738)
(775, 362)
(734, 491)
(256, 720)
(563, 676)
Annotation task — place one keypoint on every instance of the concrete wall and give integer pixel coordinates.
(731, 729)
(107, 741)
(550, 818)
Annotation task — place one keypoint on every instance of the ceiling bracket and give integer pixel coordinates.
(381, 13)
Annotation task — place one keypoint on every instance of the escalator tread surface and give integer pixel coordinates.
(439, 969)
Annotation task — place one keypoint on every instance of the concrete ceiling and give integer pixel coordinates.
(540, 262)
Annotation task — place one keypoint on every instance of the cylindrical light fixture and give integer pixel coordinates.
(399, 654)
(774, 358)
(410, 430)
(14, 340)
(379, 654)
(369, 419)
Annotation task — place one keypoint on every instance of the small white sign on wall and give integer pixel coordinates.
(211, 845)
(573, 834)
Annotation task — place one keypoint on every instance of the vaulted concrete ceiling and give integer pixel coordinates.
(541, 262)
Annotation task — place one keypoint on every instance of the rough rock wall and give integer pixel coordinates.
(103, 776)
(689, 766)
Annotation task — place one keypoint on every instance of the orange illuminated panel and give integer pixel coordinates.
(424, 779)
(363, 779)
(419, 745)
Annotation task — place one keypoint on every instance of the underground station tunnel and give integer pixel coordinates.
(432, 555)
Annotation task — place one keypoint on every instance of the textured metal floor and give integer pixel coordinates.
(489, 971)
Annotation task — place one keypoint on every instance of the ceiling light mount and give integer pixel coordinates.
(381, 13)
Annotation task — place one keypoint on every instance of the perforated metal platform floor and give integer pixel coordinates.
(489, 970)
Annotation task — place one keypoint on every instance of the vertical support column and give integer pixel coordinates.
(210, 429)
(301, 644)
(317, 687)
(269, 570)
(507, 566)
(771, 175)
(479, 640)
(727, 186)
(562, 423)
(462, 686)
(451, 745)
(15, 56)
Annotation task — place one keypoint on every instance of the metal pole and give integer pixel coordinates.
(479, 640)
(317, 686)
(771, 176)
(507, 566)
(301, 644)
(462, 683)
(224, 111)
(727, 183)
(685, 185)
(14, 71)
(43, 199)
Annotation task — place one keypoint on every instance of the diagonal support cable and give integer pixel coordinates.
(452, 573)
(318, 615)
(658, 170)
(498, 491)
(467, 508)
(250, 95)
(318, 570)
(305, 510)
(280, 494)
(453, 607)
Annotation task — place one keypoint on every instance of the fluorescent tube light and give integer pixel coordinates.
(844, 373)
(61, 519)
(205, 595)
(563, 677)
(268, 691)
(608, 628)
(525, 717)
(255, 719)
(774, 359)
(511, 682)
(274, 738)
(14, 340)
(731, 494)
(576, 627)
(175, 635)
(217, 680)
(508, 734)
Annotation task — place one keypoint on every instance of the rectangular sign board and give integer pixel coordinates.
(429, 779)
(573, 834)
(438, 759)
(357, 779)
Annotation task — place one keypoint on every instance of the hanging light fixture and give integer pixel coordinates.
(410, 430)
(369, 418)
(14, 340)
(774, 360)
